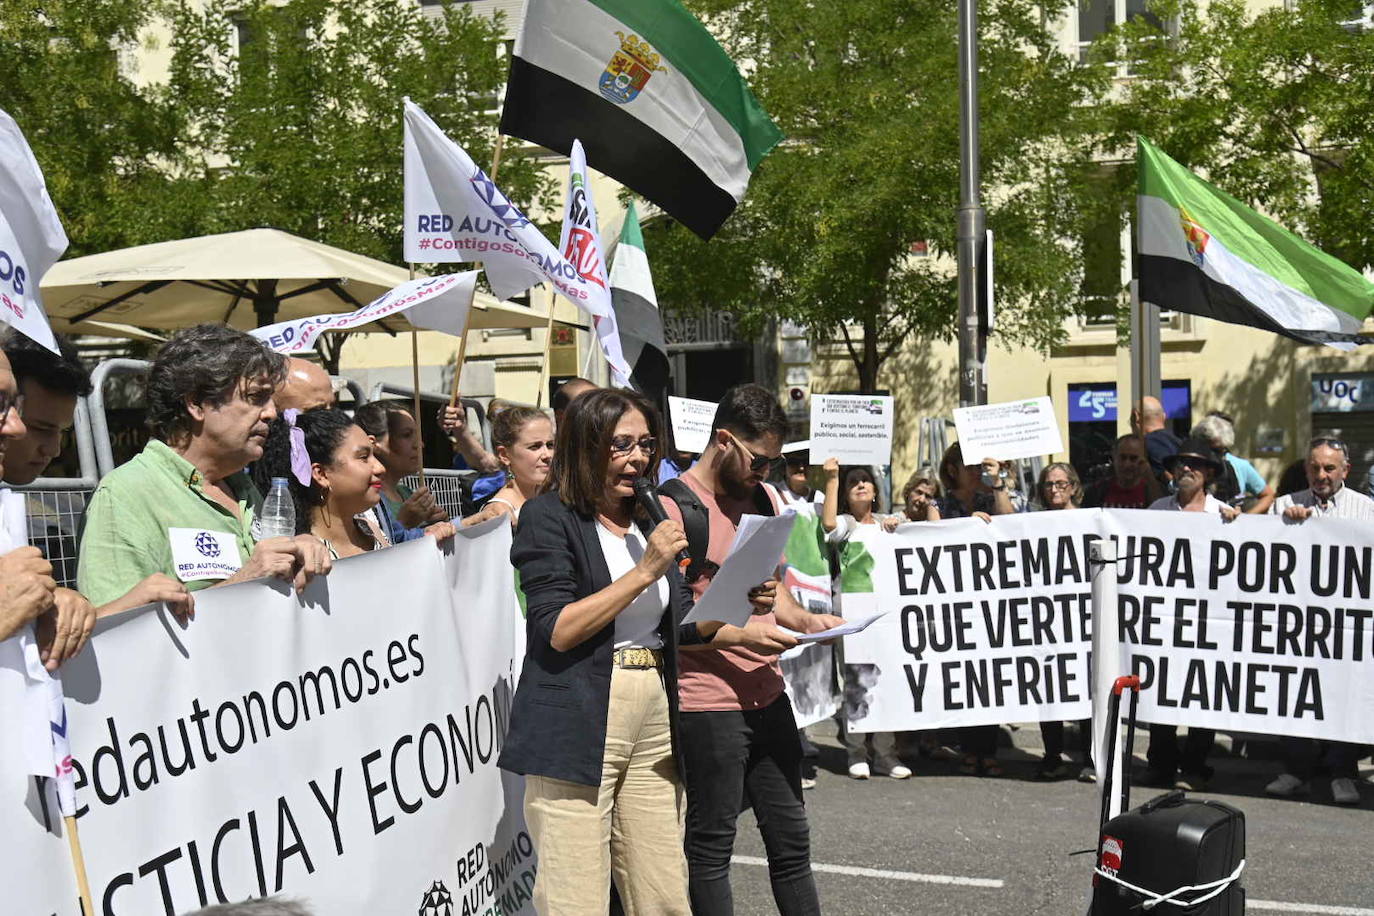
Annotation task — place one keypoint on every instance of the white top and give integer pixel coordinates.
(1344, 503)
(1212, 504)
(16, 516)
(637, 625)
(791, 500)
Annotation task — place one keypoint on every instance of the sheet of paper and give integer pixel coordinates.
(1015, 429)
(753, 558)
(855, 428)
(844, 629)
(692, 421)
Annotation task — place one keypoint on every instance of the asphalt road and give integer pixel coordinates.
(933, 832)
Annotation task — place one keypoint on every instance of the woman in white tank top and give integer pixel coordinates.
(523, 438)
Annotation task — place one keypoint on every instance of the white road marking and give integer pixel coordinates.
(958, 880)
(1280, 906)
(1277, 906)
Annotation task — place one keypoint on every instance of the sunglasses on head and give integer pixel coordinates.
(1329, 441)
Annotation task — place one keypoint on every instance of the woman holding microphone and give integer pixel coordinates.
(594, 720)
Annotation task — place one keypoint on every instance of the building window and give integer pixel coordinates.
(1097, 17)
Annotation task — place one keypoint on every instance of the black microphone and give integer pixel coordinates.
(648, 498)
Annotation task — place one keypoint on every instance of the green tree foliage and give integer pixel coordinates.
(274, 114)
(867, 94)
(293, 112)
(99, 140)
(1275, 107)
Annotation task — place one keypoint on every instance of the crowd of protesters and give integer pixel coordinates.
(666, 729)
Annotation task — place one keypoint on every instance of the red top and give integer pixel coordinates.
(733, 678)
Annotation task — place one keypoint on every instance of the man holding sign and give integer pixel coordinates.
(740, 735)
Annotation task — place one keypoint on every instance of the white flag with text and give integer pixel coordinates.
(31, 236)
(581, 245)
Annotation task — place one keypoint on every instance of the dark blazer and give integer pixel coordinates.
(558, 717)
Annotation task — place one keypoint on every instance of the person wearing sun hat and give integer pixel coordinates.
(1195, 468)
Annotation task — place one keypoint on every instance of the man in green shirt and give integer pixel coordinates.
(184, 506)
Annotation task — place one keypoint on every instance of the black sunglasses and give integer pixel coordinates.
(757, 462)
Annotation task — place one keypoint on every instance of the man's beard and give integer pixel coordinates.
(734, 488)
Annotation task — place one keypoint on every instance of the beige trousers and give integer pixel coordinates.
(629, 828)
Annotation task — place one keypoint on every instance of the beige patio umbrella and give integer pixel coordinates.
(245, 279)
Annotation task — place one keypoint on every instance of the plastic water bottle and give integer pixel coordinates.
(278, 517)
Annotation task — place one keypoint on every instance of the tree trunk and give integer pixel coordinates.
(868, 366)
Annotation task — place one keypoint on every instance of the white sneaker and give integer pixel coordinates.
(1343, 792)
(898, 772)
(808, 782)
(858, 771)
(1287, 785)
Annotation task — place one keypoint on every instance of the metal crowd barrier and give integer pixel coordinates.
(445, 485)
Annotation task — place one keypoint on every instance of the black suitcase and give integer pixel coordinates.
(1189, 853)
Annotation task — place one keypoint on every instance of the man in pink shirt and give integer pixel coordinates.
(738, 733)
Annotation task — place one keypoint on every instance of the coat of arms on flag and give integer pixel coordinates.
(629, 69)
(1194, 235)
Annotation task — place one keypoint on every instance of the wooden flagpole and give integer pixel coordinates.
(544, 366)
(415, 394)
(463, 339)
(83, 884)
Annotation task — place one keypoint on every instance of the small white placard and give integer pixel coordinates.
(691, 423)
(1016, 429)
(198, 553)
(855, 428)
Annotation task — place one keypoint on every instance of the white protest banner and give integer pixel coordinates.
(855, 428)
(1016, 429)
(692, 421)
(581, 245)
(339, 748)
(31, 236)
(437, 303)
(1256, 625)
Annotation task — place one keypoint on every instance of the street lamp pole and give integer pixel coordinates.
(972, 218)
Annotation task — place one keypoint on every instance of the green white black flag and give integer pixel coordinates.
(636, 309)
(657, 103)
(1203, 252)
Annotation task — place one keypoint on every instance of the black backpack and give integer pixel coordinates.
(696, 524)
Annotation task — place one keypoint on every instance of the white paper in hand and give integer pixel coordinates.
(844, 629)
(753, 558)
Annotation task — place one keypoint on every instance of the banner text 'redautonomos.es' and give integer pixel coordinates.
(1256, 625)
(340, 749)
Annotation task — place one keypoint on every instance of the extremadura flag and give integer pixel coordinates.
(1203, 252)
(657, 103)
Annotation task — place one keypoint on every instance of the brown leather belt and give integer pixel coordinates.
(637, 657)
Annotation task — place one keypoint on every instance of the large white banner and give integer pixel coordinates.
(1257, 625)
(339, 748)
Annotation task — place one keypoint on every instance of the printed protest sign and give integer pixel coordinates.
(691, 423)
(1257, 625)
(339, 748)
(855, 428)
(1016, 429)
